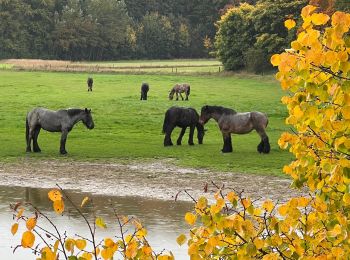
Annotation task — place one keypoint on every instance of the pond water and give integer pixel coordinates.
(164, 220)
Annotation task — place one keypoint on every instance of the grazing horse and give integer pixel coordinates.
(182, 117)
(178, 89)
(54, 121)
(230, 121)
(144, 90)
(90, 82)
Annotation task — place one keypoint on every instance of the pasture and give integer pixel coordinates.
(129, 129)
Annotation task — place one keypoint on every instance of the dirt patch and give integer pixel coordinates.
(158, 180)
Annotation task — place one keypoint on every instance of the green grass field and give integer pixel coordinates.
(129, 129)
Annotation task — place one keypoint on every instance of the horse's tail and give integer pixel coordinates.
(188, 90)
(27, 129)
(166, 121)
(267, 120)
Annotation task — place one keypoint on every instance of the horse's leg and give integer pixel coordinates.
(36, 147)
(63, 142)
(186, 96)
(190, 137)
(181, 96)
(264, 145)
(167, 138)
(183, 130)
(177, 96)
(29, 139)
(227, 148)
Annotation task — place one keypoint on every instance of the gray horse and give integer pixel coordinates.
(54, 121)
(230, 121)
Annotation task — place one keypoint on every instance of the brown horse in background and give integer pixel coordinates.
(178, 89)
(90, 82)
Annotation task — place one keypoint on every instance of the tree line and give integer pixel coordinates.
(107, 29)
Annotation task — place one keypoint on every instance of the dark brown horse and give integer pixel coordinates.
(230, 121)
(178, 89)
(90, 82)
(144, 91)
(182, 117)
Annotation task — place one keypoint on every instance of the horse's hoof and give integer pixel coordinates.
(28, 150)
(178, 143)
(168, 145)
(190, 143)
(63, 152)
(37, 151)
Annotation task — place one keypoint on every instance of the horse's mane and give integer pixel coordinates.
(222, 110)
(73, 111)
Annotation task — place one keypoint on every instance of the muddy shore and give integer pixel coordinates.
(156, 180)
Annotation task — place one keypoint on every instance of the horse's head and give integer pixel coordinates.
(200, 133)
(171, 94)
(87, 119)
(205, 115)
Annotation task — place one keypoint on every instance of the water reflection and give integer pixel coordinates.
(164, 220)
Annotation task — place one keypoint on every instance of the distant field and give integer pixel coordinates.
(181, 66)
(130, 129)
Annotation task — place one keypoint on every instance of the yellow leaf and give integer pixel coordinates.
(346, 112)
(202, 203)
(190, 218)
(319, 18)
(100, 222)
(58, 206)
(268, 205)
(47, 254)
(69, 244)
(80, 244)
(275, 59)
(346, 199)
(85, 200)
(14, 228)
(86, 256)
(307, 11)
(141, 233)
(55, 247)
(181, 239)
(259, 243)
(289, 24)
(31, 223)
(28, 239)
(55, 195)
(107, 253)
(283, 210)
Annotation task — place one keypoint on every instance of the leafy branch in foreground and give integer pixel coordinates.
(52, 244)
(316, 74)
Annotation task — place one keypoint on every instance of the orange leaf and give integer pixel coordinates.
(58, 206)
(14, 228)
(28, 239)
(55, 195)
(31, 223)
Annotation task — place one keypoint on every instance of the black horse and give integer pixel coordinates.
(144, 90)
(182, 117)
(90, 82)
(54, 121)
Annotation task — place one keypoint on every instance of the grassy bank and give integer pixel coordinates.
(127, 128)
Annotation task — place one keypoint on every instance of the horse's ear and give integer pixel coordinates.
(86, 110)
(90, 110)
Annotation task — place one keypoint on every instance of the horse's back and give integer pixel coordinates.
(49, 120)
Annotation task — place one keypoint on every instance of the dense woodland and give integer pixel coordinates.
(149, 29)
